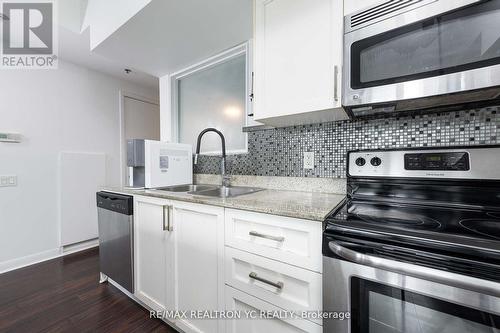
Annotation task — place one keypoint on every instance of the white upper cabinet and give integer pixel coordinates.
(298, 61)
(352, 6)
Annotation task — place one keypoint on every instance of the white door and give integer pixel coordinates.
(298, 51)
(141, 120)
(150, 242)
(199, 262)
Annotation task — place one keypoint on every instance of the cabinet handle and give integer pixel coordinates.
(336, 83)
(167, 218)
(170, 218)
(274, 238)
(251, 89)
(278, 285)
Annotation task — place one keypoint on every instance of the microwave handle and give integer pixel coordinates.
(336, 83)
(420, 272)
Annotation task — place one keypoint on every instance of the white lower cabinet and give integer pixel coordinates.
(179, 259)
(150, 242)
(203, 259)
(249, 307)
(199, 264)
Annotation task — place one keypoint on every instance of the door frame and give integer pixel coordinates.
(121, 116)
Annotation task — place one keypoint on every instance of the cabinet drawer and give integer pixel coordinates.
(293, 241)
(244, 303)
(280, 284)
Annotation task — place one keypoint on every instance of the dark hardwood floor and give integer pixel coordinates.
(64, 295)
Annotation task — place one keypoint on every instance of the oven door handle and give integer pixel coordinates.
(421, 272)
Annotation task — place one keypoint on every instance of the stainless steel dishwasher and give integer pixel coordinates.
(116, 243)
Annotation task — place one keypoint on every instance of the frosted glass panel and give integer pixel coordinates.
(214, 97)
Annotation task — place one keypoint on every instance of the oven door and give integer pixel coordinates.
(425, 48)
(380, 300)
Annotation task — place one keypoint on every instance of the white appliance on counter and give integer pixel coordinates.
(154, 164)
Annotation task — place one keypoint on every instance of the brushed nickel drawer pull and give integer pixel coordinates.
(278, 285)
(164, 218)
(274, 238)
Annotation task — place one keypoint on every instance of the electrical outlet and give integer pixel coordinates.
(308, 160)
(8, 181)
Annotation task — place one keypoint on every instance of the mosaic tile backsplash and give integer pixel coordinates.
(280, 151)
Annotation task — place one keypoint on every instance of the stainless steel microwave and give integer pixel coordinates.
(403, 55)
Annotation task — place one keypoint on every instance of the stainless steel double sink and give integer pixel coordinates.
(211, 190)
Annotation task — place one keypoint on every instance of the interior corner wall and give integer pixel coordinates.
(68, 109)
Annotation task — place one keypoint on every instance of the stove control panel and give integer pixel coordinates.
(456, 161)
(474, 162)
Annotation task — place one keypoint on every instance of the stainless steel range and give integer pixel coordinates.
(416, 245)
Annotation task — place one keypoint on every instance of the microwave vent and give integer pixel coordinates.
(375, 13)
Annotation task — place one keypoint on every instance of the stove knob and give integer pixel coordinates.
(376, 161)
(360, 161)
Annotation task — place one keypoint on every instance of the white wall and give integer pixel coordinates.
(165, 109)
(68, 109)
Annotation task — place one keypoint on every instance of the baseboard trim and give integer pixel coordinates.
(13, 264)
(85, 245)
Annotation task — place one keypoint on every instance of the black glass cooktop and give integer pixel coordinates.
(413, 223)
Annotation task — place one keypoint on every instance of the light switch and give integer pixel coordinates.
(8, 180)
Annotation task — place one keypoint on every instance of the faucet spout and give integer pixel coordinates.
(223, 144)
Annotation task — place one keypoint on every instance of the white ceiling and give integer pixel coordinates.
(168, 35)
(75, 47)
(165, 36)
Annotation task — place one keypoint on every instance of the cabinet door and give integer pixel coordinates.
(351, 6)
(245, 304)
(298, 57)
(150, 239)
(199, 263)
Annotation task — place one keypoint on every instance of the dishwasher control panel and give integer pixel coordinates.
(123, 204)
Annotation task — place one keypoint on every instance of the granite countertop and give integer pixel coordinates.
(312, 206)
